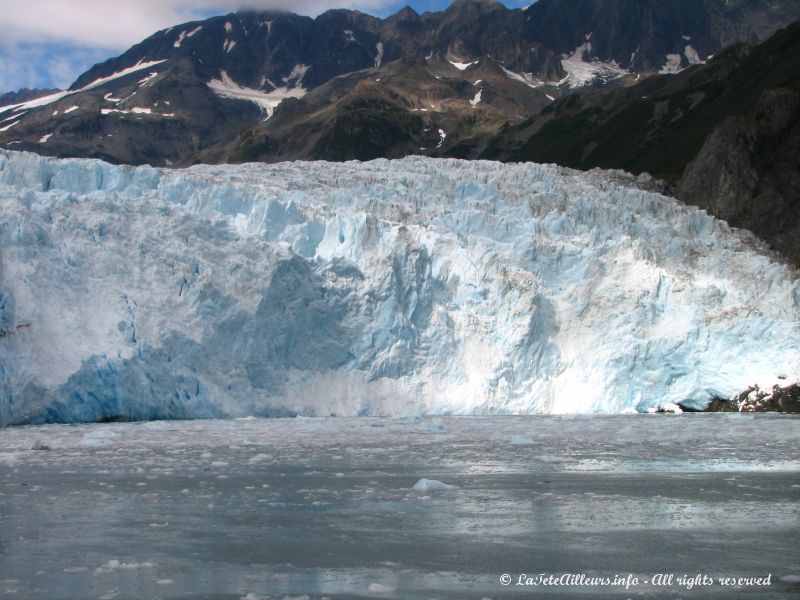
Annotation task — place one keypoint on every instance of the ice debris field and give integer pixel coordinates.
(414, 286)
(407, 509)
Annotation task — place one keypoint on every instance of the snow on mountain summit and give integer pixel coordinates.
(389, 287)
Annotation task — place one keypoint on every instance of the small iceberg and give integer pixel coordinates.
(432, 485)
(521, 440)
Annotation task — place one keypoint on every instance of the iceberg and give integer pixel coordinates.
(394, 288)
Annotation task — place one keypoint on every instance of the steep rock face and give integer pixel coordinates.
(653, 35)
(390, 287)
(748, 172)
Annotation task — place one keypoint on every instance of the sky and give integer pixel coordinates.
(48, 43)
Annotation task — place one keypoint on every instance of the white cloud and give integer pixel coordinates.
(118, 24)
(48, 43)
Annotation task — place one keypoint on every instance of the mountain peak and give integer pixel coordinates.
(405, 14)
(460, 5)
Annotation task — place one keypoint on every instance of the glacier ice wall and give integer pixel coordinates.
(390, 287)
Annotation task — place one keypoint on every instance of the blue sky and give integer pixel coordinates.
(48, 43)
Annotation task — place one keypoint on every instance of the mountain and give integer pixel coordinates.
(25, 95)
(724, 133)
(413, 286)
(653, 35)
(273, 86)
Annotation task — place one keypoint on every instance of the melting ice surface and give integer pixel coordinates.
(383, 288)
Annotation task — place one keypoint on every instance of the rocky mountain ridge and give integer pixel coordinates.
(273, 86)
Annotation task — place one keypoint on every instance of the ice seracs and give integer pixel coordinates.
(407, 287)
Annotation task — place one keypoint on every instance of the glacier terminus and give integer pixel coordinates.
(387, 288)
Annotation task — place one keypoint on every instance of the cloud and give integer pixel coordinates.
(44, 65)
(48, 43)
(119, 24)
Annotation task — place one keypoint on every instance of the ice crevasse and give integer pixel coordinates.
(384, 288)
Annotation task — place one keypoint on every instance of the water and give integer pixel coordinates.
(325, 507)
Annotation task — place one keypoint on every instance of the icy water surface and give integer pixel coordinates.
(325, 507)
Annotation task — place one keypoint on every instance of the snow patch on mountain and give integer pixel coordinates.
(186, 34)
(378, 55)
(389, 287)
(462, 66)
(692, 56)
(136, 110)
(526, 78)
(672, 65)
(45, 100)
(582, 70)
(477, 98)
(226, 87)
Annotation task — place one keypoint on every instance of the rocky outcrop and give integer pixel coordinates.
(748, 172)
(784, 399)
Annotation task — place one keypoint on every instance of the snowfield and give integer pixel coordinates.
(383, 288)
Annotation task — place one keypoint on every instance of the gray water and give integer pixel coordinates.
(325, 507)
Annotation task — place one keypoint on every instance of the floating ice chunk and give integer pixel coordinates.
(521, 440)
(669, 407)
(432, 485)
(379, 588)
(99, 437)
(629, 411)
(115, 565)
(73, 570)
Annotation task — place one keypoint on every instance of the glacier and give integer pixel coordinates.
(395, 288)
